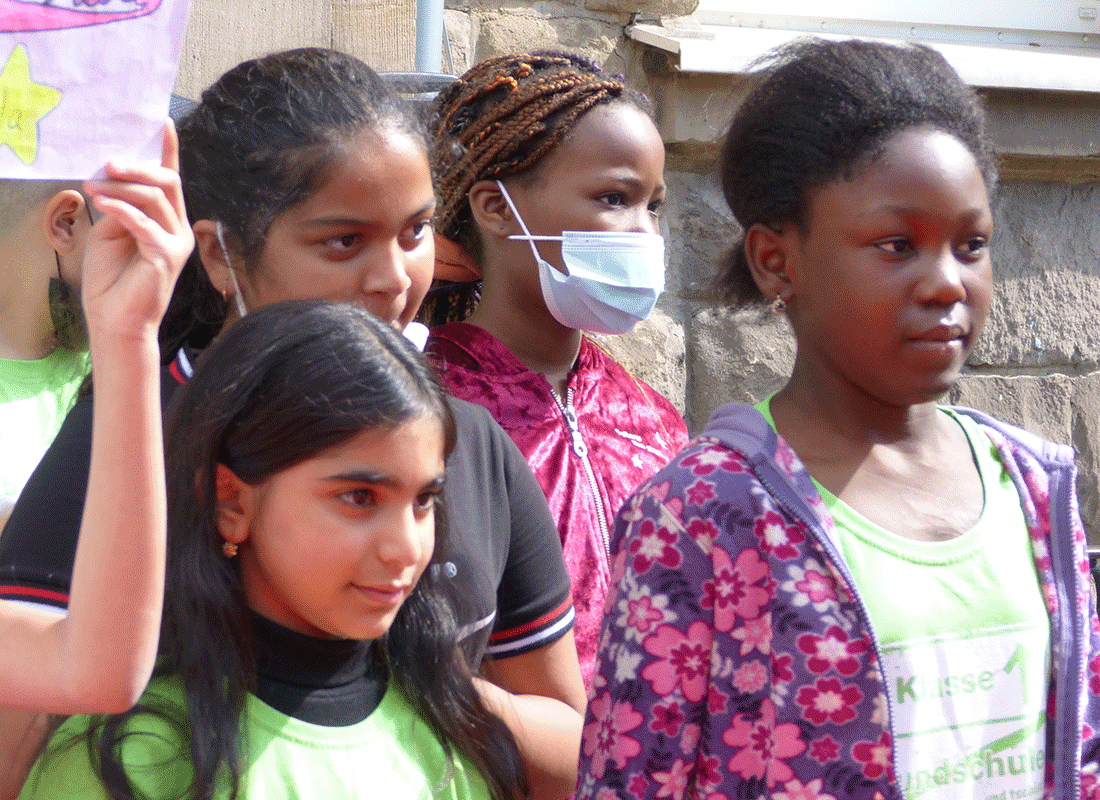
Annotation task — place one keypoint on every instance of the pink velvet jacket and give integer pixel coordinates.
(588, 450)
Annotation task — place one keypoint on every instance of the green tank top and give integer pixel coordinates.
(965, 641)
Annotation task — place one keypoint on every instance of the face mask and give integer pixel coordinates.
(613, 280)
(241, 310)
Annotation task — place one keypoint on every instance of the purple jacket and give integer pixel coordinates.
(733, 603)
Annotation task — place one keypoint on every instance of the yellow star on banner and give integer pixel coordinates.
(22, 103)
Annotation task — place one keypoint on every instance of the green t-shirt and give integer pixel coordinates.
(35, 396)
(965, 641)
(391, 754)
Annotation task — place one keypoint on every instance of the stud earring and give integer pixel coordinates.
(779, 305)
(229, 549)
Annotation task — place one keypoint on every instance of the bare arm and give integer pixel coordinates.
(540, 697)
(99, 657)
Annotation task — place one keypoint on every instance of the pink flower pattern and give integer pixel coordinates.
(834, 650)
(876, 757)
(605, 737)
(654, 544)
(667, 719)
(764, 745)
(736, 589)
(777, 536)
(641, 614)
(761, 642)
(700, 492)
(796, 790)
(824, 749)
(684, 660)
(829, 701)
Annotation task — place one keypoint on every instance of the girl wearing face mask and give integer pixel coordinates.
(305, 461)
(306, 178)
(550, 175)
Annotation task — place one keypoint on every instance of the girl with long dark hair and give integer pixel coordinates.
(306, 178)
(302, 653)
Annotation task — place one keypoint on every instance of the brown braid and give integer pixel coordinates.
(501, 119)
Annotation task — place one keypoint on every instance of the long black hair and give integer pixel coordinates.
(285, 383)
(818, 110)
(261, 142)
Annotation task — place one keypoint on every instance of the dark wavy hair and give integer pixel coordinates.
(261, 142)
(819, 110)
(285, 383)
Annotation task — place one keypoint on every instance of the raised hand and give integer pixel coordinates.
(137, 248)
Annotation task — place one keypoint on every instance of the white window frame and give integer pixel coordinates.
(1051, 45)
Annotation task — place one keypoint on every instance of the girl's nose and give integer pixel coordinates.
(646, 222)
(388, 274)
(408, 539)
(942, 281)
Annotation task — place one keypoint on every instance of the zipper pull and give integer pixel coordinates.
(579, 446)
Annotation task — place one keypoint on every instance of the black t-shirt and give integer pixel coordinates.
(500, 563)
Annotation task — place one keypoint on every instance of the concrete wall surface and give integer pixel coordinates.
(1036, 364)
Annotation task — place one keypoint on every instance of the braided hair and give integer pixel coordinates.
(498, 120)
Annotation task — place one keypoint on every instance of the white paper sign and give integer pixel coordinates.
(82, 81)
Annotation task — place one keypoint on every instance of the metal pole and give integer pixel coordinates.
(429, 36)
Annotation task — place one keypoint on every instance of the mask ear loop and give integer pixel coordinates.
(526, 233)
(241, 310)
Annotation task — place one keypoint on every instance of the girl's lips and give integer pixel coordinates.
(385, 595)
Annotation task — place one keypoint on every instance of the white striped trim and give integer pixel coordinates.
(539, 635)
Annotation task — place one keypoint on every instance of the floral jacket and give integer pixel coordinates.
(589, 450)
(734, 610)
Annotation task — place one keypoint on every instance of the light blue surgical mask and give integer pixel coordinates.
(612, 279)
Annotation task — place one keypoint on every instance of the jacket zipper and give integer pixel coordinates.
(1068, 708)
(580, 447)
(786, 497)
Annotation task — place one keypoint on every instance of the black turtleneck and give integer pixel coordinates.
(333, 682)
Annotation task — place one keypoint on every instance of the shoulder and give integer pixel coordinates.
(1019, 441)
(723, 480)
(479, 437)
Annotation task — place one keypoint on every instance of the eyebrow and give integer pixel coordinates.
(977, 211)
(324, 222)
(379, 479)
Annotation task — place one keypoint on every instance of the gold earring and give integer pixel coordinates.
(229, 549)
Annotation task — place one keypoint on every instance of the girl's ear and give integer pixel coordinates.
(211, 255)
(769, 256)
(490, 210)
(234, 505)
(65, 223)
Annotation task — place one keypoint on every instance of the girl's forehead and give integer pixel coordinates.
(611, 133)
(914, 163)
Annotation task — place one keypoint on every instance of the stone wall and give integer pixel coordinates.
(1036, 365)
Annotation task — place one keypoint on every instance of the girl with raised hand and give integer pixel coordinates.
(99, 656)
(850, 590)
(306, 178)
(302, 653)
(530, 150)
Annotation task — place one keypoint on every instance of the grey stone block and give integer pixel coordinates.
(1046, 303)
(735, 356)
(649, 7)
